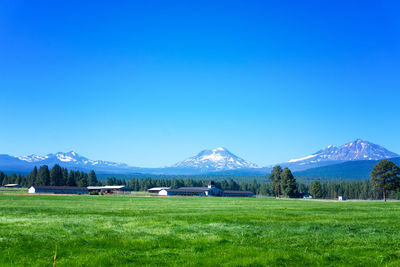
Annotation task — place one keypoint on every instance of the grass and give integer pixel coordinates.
(12, 189)
(191, 231)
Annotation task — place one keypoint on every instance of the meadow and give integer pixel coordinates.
(194, 231)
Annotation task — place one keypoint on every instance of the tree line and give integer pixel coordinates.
(57, 176)
(383, 183)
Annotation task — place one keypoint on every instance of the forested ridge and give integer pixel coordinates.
(58, 176)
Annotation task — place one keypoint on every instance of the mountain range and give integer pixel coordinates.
(221, 161)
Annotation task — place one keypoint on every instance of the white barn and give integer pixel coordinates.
(58, 190)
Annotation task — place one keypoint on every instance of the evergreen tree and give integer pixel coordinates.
(19, 180)
(224, 185)
(12, 178)
(233, 185)
(83, 181)
(56, 176)
(92, 178)
(137, 185)
(5, 180)
(254, 186)
(31, 179)
(64, 172)
(386, 176)
(316, 190)
(275, 177)
(71, 179)
(2, 178)
(43, 176)
(288, 183)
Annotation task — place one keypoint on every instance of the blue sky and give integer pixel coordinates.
(150, 83)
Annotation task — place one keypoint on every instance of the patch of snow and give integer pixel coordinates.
(304, 158)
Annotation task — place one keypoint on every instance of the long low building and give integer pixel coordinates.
(12, 185)
(58, 190)
(108, 189)
(211, 190)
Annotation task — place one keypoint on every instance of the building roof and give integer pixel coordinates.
(237, 192)
(189, 189)
(158, 188)
(107, 187)
(10, 184)
(114, 186)
(60, 187)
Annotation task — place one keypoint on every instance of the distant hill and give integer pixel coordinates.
(351, 169)
(357, 150)
(357, 157)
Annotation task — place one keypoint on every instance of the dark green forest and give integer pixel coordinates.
(329, 189)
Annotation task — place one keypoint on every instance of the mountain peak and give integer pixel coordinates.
(218, 159)
(355, 150)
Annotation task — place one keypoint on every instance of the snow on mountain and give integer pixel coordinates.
(218, 159)
(356, 150)
(32, 158)
(69, 159)
(207, 161)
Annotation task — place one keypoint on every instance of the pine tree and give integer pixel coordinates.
(288, 183)
(254, 186)
(316, 190)
(43, 176)
(5, 180)
(71, 179)
(233, 185)
(31, 179)
(137, 185)
(386, 176)
(56, 176)
(275, 177)
(2, 178)
(92, 178)
(19, 180)
(83, 181)
(12, 178)
(64, 172)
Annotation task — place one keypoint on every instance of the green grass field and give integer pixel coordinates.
(154, 231)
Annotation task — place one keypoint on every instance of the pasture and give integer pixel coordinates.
(194, 231)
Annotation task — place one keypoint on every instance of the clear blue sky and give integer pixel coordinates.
(150, 83)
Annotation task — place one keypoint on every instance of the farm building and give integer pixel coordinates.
(210, 190)
(12, 185)
(58, 190)
(157, 189)
(108, 189)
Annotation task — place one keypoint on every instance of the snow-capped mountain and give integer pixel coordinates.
(219, 159)
(216, 161)
(356, 150)
(70, 158)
